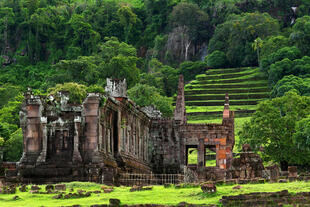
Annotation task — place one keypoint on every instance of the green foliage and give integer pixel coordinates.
(13, 147)
(95, 89)
(190, 69)
(273, 126)
(301, 139)
(145, 95)
(291, 82)
(291, 53)
(84, 69)
(127, 19)
(272, 44)
(119, 60)
(192, 17)
(9, 114)
(301, 34)
(286, 66)
(162, 77)
(236, 35)
(7, 93)
(83, 34)
(1, 141)
(216, 59)
(77, 92)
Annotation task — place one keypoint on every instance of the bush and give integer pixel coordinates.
(190, 69)
(291, 82)
(216, 59)
(13, 148)
(77, 91)
(145, 95)
(298, 67)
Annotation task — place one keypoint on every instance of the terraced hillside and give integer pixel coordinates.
(205, 96)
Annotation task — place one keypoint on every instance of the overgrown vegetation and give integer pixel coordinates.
(75, 45)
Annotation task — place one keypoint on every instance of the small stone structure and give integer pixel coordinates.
(108, 135)
(248, 166)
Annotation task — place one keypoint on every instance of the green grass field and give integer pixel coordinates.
(159, 195)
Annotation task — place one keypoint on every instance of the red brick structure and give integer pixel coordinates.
(109, 134)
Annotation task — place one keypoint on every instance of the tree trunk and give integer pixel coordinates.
(186, 50)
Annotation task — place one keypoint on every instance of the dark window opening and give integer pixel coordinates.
(115, 133)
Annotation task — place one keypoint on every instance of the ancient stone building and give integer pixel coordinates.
(108, 134)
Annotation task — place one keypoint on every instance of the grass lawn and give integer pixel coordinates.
(159, 195)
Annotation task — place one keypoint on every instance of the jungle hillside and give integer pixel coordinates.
(258, 51)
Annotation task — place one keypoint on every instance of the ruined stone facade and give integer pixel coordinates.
(108, 134)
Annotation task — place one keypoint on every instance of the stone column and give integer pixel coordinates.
(42, 156)
(32, 139)
(76, 153)
(91, 115)
(201, 154)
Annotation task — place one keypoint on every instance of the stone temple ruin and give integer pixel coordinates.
(108, 135)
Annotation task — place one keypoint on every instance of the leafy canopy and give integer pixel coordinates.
(273, 127)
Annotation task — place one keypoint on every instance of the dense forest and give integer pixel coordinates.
(74, 45)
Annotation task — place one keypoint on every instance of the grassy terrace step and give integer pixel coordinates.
(228, 86)
(219, 113)
(222, 97)
(226, 76)
(190, 109)
(230, 91)
(219, 103)
(255, 78)
(227, 70)
(229, 75)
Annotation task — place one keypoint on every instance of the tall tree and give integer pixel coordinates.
(273, 126)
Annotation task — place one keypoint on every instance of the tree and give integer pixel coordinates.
(273, 126)
(301, 139)
(145, 95)
(83, 34)
(127, 19)
(236, 35)
(119, 60)
(191, 25)
(77, 92)
(290, 53)
(84, 70)
(298, 67)
(272, 44)
(13, 147)
(257, 45)
(190, 69)
(291, 82)
(301, 34)
(6, 20)
(216, 59)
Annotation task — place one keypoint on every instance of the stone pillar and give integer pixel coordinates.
(42, 156)
(76, 153)
(201, 154)
(32, 136)
(180, 111)
(91, 115)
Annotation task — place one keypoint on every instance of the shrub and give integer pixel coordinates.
(216, 59)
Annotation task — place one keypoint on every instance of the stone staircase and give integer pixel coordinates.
(205, 95)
